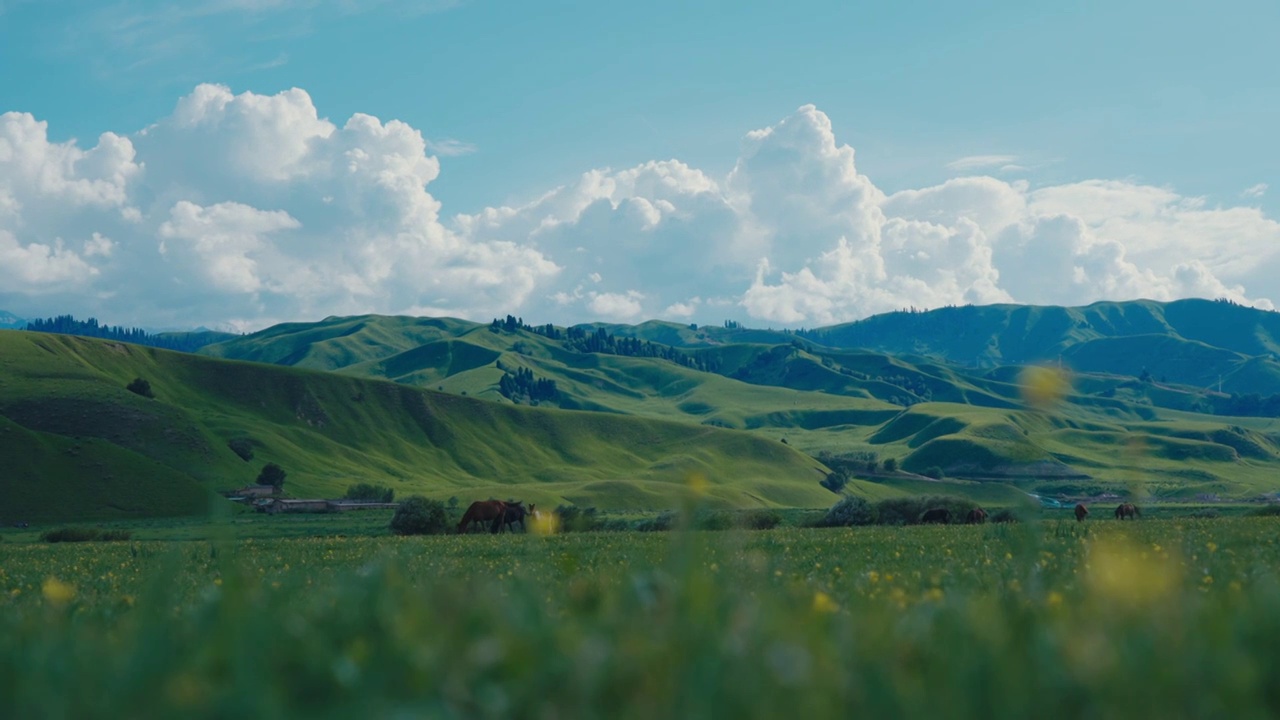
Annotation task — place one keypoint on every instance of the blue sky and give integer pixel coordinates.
(516, 99)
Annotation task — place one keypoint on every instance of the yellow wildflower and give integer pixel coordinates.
(56, 591)
(823, 603)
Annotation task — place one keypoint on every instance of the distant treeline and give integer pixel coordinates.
(605, 343)
(524, 387)
(180, 341)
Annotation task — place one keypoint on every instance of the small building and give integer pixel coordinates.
(250, 491)
(347, 505)
(279, 505)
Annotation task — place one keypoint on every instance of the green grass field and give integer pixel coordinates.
(1158, 618)
(84, 447)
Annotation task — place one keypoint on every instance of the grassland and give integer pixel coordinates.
(85, 447)
(415, 404)
(1167, 618)
(1112, 432)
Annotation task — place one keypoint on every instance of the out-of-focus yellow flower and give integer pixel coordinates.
(56, 591)
(698, 484)
(934, 594)
(1117, 574)
(545, 523)
(823, 603)
(1054, 599)
(1041, 387)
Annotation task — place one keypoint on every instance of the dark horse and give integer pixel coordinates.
(976, 516)
(1081, 511)
(493, 512)
(516, 513)
(936, 515)
(1127, 510)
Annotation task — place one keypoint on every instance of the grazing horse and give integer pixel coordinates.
(976, 516)
(493, 512)
(516, 513)
(1081, 511)
(936, 515)
(1127, 510)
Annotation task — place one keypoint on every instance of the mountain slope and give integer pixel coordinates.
(65, 395)
(1188, 341)
(928, 414)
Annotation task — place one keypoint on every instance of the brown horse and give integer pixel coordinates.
(941, 516)
(1127, 510)
(516, 513)
(1081, 512)
(493, 512)
(976, 516)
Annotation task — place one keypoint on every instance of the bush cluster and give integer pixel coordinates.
(75, 534)
(419, 516)
(853, 510)
(370, 493)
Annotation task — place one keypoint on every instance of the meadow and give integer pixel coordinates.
(1165, 617)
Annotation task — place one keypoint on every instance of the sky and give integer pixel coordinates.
(238, 163)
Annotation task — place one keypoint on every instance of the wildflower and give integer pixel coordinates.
(545, 523)
(1117, 574)
(823, 603)
(1054, 599)
(57, 592)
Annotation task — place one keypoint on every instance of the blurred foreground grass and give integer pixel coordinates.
(1054, 619)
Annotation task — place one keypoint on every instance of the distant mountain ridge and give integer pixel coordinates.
(9, 321)
(180, 341)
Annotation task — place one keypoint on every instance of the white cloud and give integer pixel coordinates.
(1255, 191)
(246, 209)
(979, 162)
(616, 306)
(449, 147)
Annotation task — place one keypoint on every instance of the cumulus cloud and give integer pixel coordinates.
(246, 209)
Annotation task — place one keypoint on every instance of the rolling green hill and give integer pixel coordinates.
(1192, 342)
(928, 414)
(85, 447)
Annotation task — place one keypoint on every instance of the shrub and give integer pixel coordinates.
(272, 474)
(661, 522)
(890, 464)
(140, 387)
(75, 534)
(851, 510)
(1005, 515)
(69, 534)
(934, 472)
(371, 493)
(1266, 511)
(835, 481)
(713, 520)
(420, 516)
(576, 519)
(242, 447)
(761, 520)
(907, 510)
